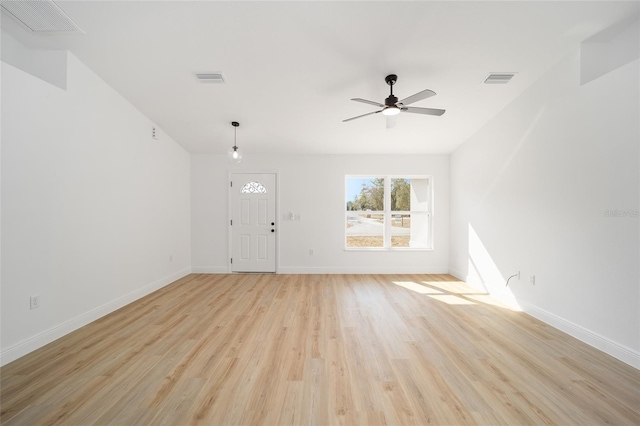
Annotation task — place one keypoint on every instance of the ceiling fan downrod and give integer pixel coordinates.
(391, 100)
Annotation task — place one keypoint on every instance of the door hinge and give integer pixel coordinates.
(231, 184)
(232, 260)
(231, 222)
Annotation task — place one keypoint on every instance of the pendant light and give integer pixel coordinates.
(234, 153)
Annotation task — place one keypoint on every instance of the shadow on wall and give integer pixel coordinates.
(610, 49)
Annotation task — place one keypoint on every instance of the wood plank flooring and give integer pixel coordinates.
(318, 350)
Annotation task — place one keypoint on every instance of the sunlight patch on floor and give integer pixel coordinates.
(454, 293)
(410, 285)
(451, 299)
(490, 300)
(457, 287)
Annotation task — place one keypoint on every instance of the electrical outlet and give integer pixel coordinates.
(532, 280)
(34, 302)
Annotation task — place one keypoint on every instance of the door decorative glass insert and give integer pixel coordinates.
(253, 188)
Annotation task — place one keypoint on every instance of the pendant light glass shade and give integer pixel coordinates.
(234, 154)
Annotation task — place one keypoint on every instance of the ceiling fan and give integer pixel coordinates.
(393, 107)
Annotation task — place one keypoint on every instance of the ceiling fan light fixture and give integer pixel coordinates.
(392, 110)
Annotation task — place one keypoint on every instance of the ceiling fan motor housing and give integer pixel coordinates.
(391, 101)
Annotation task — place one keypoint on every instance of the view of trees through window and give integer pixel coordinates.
(377, 219)
(371, 196)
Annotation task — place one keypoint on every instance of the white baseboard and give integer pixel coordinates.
(210, 269)
(616, 350)
(361, 270)
(329, 270)
(48, 336)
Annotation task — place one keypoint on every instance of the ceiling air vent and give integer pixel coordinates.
(208, 78)
(41, 17)
(499, 78)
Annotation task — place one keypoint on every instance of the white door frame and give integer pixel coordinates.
(230, 213)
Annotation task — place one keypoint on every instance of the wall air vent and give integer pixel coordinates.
(41, 17)
(499, 78)
(211, 77)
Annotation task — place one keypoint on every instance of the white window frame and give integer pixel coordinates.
(388, 214)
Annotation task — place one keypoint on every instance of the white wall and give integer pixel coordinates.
(95, 213)
(313, 186)
(530, 192)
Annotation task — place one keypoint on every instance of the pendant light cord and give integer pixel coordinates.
(235, 125)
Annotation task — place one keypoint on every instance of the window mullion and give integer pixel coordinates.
(387, 212)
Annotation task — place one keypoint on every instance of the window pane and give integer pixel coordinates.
(410, 230)
(409, 194)
(365, 229)
(365, 194)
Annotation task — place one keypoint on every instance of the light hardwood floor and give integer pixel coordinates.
(318, 349)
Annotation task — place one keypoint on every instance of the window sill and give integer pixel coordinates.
(386, 249)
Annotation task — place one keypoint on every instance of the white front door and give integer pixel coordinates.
(253, 222)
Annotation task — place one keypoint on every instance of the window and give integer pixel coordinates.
(388, 212)
(253, 188)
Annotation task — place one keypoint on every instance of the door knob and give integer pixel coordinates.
(273, 223)
(273, 230)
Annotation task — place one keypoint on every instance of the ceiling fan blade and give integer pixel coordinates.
(418, 97)
(364, 101)
(428, 111)
(363, 115)
(391, 121)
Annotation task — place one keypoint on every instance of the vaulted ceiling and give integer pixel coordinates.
(291, 68)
